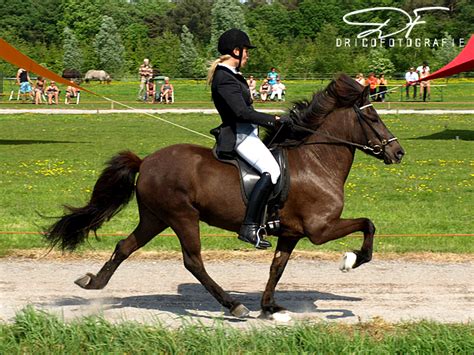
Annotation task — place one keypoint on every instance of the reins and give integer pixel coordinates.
(375, 149)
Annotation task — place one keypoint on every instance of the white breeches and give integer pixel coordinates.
(278, 93)
(254, 152)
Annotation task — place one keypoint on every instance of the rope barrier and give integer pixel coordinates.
(233, 235)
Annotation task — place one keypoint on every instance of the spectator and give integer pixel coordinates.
(423, 71)
(264, 90)
(150, 90)
(52, 91)
(360, 79)
(146, 74)
(71, 92)
(252, 86)
(411, 77)
(372, 82)
(39, 89)
(167, 91)
(277, 90)
(382, 87)
(272, 76)
(24, 82)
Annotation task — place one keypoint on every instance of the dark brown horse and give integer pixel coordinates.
(182, 184)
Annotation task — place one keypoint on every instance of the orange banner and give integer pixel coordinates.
(15, 57)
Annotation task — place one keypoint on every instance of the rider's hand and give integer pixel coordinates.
(284, 120)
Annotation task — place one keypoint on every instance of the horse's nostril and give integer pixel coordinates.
(400, 154)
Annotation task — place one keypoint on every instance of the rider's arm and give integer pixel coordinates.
(231, 92)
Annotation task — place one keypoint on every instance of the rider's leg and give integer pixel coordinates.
(252, 150)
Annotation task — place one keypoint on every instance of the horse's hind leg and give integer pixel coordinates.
(186, 227)
(283, 251)
(148, 228)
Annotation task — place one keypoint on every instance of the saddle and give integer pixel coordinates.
(249, 177)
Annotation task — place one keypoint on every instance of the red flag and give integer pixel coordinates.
(463, 62)
(15, 57)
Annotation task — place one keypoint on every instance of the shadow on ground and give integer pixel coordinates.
(449, 134)
(192, 298)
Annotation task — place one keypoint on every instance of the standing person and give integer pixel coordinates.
(24, 82)
(272, 76)
(423, 71)
(146, 74)
(382, 87)
(360, 79)
(372, 82)
(239, 129)
(411, 78)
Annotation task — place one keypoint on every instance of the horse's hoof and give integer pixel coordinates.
(348, 261)
(84, 281)
(240, 311)
(281, 317)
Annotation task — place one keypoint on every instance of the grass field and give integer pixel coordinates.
(47, 161)
(35, 332)
(454, 94)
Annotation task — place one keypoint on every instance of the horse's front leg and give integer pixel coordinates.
(341, 228)
(283, 251)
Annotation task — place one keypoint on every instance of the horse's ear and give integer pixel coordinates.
(365, 94)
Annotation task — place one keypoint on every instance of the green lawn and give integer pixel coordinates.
(457, 94)
(47, 161)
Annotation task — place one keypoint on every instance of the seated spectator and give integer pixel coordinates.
(372, 82)
(277, 90)
(252, 86)
(167, 91)
(264, 90)
(39, 89)
(71, 92)
(360, 79)
(53, 93)
(150, 91)
(411, 78)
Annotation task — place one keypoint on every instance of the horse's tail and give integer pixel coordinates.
(112, 191)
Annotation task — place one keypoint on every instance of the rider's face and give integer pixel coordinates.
(245, 56)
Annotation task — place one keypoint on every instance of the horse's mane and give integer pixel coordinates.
(340, 93)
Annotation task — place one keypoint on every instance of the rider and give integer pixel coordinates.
(239, 129)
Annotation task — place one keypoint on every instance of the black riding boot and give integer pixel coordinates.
(249, 232)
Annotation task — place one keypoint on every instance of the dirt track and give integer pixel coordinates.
(147, 290)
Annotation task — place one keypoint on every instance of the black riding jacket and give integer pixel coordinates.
(233, 101)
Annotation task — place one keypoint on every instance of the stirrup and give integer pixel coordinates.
(255, 238)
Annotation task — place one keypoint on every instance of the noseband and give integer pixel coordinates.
(375, 149)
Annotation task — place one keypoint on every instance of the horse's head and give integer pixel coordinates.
(341, 113)
(371, 134)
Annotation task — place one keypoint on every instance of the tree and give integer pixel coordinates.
(189, 57)
(109, 48)
(379, 62)
(444, 54)
(164, 53)
(226, 14)
(72, 58)
(195, 14)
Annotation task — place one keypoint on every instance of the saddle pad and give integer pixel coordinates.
(249, 176)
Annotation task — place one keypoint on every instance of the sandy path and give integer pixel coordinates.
(147, 290)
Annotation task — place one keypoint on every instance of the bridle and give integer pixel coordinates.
(375, 149)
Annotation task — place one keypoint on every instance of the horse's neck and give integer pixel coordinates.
(333, 160)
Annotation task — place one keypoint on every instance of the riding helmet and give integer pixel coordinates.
(231, 39)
